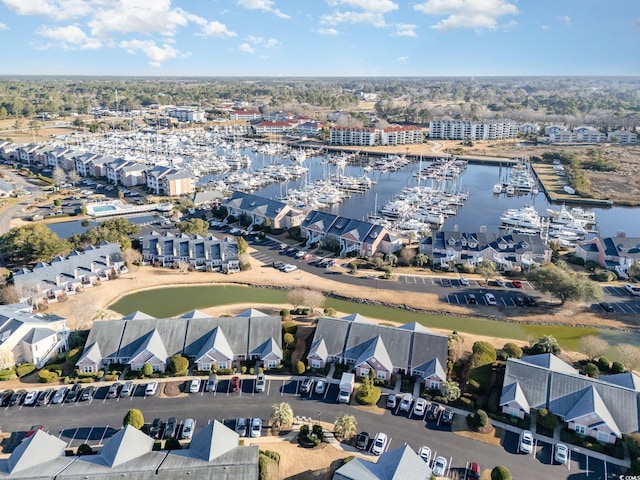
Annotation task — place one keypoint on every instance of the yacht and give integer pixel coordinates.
(526, 217)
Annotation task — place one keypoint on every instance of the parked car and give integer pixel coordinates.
(187, 428)
(632, 289)
(362, 441)
(261, 382)
(425, 454)
(321, 385)
(419, 407)
(74, 393)
(152, 388)
(473, 472)
(32, 430)
(405, 403)
(60, 394)
(490, 299)
(379, 444)
(17, 398)
(439, 466)
(517, 284)
(562, 453)
(113, 390)
(235, 384)
(447, 416)
(127, 389)
(31, 397)
(530, 301)
(392, 401)
(464, 281)
(194, 385)
(5, 397)
(500, 282)
(45, 396)
(607, 307)
(241, 426)
(212, 384)
(434, 411)
(519, 300)
(471, 299)
(256, 427)
(305, 386)
(156, 428)
(170, 428)
(525, 445)
(87, 393)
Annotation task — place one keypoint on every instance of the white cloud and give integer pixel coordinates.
(403, 60)
(372, 18)
(55, 9)
(217, 30)
(545, 27)
(405, 30)
(476, 14)
(566, 19)
(246, 48)
(328, 31)
(155, 53)
(69, 37)
(272, 42)
(381, 6)
(3, 27)
(263, 5)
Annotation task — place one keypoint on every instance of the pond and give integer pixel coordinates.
(173, 301)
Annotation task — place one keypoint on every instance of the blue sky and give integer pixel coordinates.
(320, 37)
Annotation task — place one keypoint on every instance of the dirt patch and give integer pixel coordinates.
(494, 436)
(172, 390)
(373, 409)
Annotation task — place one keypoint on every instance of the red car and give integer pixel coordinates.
(473, 473)
(33, 430)
(517, 284)
(235, 384)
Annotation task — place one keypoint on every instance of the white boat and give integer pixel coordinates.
(497, 188)
(526, 217)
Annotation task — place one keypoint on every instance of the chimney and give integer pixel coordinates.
(93, 268)
(107, 260)
(58, 280)
(75, 273)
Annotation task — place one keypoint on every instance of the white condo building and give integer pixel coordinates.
(468, 130)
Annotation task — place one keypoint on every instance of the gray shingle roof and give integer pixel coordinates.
(628, 380)
(399, 464)
(396, 341)
(152, 344)
(513, 393)
(91, 354)
(212, 441)
(215, 341)
(432, 367)
(319, 349)
(35, 451)
(334, 332)
(126, 445)
(137, 315)
(588, 404)
(550, 362)
(372, 348)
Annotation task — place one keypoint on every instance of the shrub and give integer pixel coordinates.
(590, 370)
(73, 355)
(54, 367)
(111, 377)
(8, 374)
(288, 339)
(511, 350)
(179, 364)
(147, 369)
(134, 418)
(273, 455)
(329, 312)
(368, 393)
(288, 327)
(478, 420)
(25, 369)
(299, 368)
(285, 313)
(546, 419)
(267, 467)
(45, 376)
(603, 363)
(84, 449)
(243, 369)
(500, 473)
(617, 367)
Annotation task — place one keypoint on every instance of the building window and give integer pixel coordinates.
(222, 364)
(87, 369)
(603, 437)
(514, 412)
(205, 366)
(382, 375)
(434, 384)
(272, 363)
(364, 372)
(580, 429)
(157, 368)
(315, 364)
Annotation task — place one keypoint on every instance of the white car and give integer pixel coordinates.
(562, 453)
(419, 407)
(187, 428)
(379, 444)
(405, 403)
(261, 382)
(425, 454)
(194, 385)
(321, 384)
(288, 268)
(152, 388)
(256, 427)
(439, 466)
(500, 282)
(490, 299)
(632, 289)
(526, 442)
(464, 281)
(31, 398)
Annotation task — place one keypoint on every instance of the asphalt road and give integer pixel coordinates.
(93, 421)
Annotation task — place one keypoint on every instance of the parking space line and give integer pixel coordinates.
(447, 297)
(326, 390)
(268, 386)
(72, 437)
(282, 389)
(240, 391)
(103, 434)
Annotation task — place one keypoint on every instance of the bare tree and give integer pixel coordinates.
(132, 256)
(8, 295)
(296, 297)
(593, 346)
(629, 355)
(83, 311)
(183, 266)
(74, 178)
(59, 176)
(313, 299)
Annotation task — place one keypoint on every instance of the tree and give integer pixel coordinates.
(634, 269)
(299, 367)
(59, 176)
(345, 426)
(281, 416)
(590, 370)
(296, 297)
(392, 259)
(288, 339)
(313, 299)
(147, 369)
(179, 365)
(629, 356)
(84, 449)
(194, 226)
(593, 346)
(183, 266)
(486, 269)
(32, 243)
(450, 390)
(564, 285)
(34, 128)
(421, 260)
(243, 246)
(368, 393)
(547, 344)
(74, 177)
(8, 295)
(134, 418)
(132, 256)
(511, 350)
(500, 473)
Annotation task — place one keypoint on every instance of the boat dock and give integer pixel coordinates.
(553, 184)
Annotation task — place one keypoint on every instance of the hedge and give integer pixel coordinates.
(368, 396)
(73, 355)
(25, 369)
(46, 376)
(55, 368)
(8, 374)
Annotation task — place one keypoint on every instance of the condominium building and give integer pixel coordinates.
(468, 130)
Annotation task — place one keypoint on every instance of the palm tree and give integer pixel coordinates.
(450, 390)
(281, 416)
(421, 259)
(345, 426)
